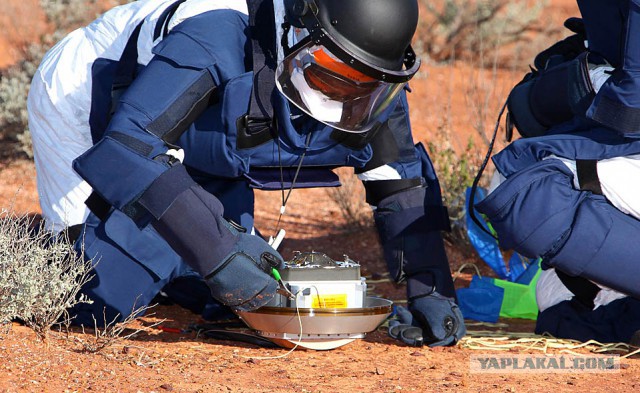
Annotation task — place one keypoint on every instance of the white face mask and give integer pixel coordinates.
(323, 108)
(330, 91)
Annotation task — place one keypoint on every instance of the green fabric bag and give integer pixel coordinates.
(519, 300)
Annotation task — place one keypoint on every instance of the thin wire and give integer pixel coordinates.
(294, 347)
(275, 231)
(476, 180)
(293, 182)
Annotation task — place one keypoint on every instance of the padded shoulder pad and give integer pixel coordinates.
(184, 51)
(215, 38)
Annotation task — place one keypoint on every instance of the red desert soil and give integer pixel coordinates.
(163, 360)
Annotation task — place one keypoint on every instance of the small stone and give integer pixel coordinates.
(417, 353)
(166, 387)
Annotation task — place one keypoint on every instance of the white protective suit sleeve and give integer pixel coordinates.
(59, 101)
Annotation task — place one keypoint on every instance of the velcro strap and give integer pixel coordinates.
(134, 144)
(588, 176)
(165, 189)
(379, 189)
(185, 110)
(101, 208)
(613, 114)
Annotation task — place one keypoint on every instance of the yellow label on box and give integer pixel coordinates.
(329, 301)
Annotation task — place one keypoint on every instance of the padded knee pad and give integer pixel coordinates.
(122, 282)
(539, 213)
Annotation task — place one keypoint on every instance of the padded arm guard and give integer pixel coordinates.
(551, 97)
(235, 265)
(408, 224)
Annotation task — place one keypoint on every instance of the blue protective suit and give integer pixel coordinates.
(538, 212)
(613, 32)
(154, 233)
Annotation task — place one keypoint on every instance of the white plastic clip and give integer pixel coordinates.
(275, 242)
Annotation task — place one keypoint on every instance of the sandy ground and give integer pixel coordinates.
(169, 357)
(458, 100)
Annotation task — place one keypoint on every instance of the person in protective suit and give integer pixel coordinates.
(566, 191)
(152, 126)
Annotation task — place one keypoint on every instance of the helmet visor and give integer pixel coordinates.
(332, 92)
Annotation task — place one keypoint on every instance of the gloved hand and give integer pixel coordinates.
(236, 266)
(540, 100)
(401, 328)
(243, 279)
(434, 320)
(439, 318)
(566, 49)
(414, 250)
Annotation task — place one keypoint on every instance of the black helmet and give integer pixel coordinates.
(354, 62)
(373, 36)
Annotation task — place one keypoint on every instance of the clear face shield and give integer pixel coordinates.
(330, 91)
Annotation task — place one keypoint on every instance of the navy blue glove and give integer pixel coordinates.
(243, 279)
(236, 266)
(433, 308)
(402, 328)
(434, 320)
(566, 49)
(439, 318)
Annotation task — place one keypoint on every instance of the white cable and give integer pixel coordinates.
(294, 347)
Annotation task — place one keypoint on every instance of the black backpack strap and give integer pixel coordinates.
(162, 26)
(588, 176)
(584, 290)
(263, 46)
(128, 63)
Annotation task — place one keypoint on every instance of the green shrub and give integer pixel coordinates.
(63, 16)
(456, 29)
(456, 171)
(350, 199)
(40, 275)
